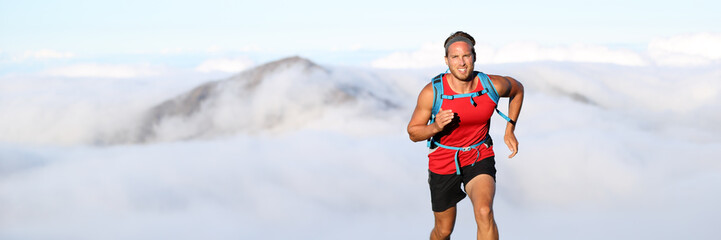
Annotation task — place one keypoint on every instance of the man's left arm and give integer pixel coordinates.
(512, 89)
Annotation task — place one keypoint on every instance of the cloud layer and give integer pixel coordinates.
(228, 65)
(683, 50)
(624, 147)
(95, 70)
(42, 54)
(686, 50)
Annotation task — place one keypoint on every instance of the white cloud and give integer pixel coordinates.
(347, 47)
(531, 52)
(43, 54)
(230, 65)
(84, 70)
(686, 50)
(219, 49)
(682, 50)
(431, 55)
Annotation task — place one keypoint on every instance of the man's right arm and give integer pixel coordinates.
(418, 127)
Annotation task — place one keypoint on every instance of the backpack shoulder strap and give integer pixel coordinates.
(488, 86)
(492, 93)
(437, 83)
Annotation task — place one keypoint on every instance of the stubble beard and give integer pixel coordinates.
(465, 76)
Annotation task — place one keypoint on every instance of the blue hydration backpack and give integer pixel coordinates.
(438, 98)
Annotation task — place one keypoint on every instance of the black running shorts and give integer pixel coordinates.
(446, 190)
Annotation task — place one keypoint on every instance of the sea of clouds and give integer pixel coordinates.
(607, 150)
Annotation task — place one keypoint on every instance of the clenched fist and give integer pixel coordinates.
(443, 118)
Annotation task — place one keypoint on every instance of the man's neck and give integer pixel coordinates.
(463, 86)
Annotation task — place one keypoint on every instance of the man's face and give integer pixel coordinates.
(460, 60)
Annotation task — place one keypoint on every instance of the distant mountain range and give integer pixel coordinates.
(277, 95)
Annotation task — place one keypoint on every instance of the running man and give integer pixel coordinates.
(461, 147)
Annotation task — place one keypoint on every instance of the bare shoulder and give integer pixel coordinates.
(422, 112)
(503, 84)
(427, 88)
(426, 95)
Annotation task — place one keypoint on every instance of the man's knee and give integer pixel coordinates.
(444, 223)
(442, 232)
(443, 228)
(483, 212)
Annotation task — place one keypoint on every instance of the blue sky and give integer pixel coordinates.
(329, 31)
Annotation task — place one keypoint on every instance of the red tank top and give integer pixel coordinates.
(470, 127)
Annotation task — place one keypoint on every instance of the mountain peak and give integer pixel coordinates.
(292, 60)
(282, 94)
(284, 63)
(251, 78)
